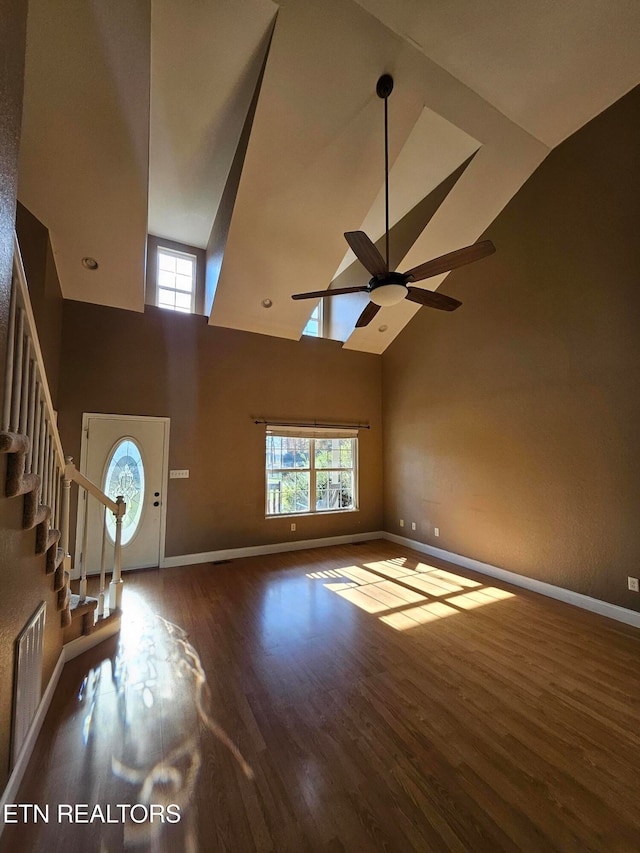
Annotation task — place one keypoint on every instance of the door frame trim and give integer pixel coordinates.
(165, 473)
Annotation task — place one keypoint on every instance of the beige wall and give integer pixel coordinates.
(513, 424)
(211, 382)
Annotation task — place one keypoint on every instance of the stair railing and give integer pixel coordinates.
(28, 410)
(119, 509)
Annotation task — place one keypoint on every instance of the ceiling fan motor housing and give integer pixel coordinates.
(388, 290)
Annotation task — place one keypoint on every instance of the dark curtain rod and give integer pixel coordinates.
(313, 425)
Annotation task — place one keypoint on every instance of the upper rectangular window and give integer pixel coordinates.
(314, 323)
(176, 280)
(309, 473)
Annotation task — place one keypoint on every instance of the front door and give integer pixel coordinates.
(124, 455)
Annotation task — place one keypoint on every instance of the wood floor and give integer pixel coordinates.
(355, 698)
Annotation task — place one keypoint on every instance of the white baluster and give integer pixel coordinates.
(45, 466)
(103, 563)
(25, 391)
(32, 412)
(35, 451)
(8, 382)
(64, 512)
(115, 587)
(52, 479)
(41, 449)
(17, 373)
(85, 537)
(56, 493)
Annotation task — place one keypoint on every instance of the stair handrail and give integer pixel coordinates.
(72, 473)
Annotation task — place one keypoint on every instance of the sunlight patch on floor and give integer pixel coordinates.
(390, 585)
(413, 616)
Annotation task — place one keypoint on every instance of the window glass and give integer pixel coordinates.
(314, 323)
(176, 280)
(307, 475)
(125, 476)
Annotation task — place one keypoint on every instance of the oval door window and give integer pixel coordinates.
(125, 476)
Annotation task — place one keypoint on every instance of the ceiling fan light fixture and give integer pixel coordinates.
(388, 294)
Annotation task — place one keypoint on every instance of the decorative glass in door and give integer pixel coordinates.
(125, 476)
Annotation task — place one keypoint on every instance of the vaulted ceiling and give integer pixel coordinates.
(134, 113)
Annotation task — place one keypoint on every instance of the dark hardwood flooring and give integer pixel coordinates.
(356, 698)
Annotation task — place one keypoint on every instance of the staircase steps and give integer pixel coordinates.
(82, 620)
(36, 516)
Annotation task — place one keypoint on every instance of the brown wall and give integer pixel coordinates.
(211, 382)
(13, 23)
(24, 582)
(24, 586)
(513, 424)
(44, 291)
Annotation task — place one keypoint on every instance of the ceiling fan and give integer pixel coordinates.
(387, 287)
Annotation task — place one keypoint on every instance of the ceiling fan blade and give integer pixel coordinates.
(314, 294)
(366, 252)
(367, 315)
(432, 298)
(452, 260)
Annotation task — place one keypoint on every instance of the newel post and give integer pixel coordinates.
(64, 509)
(115, 587)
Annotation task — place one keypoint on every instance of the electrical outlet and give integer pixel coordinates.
(402, 522)
(634, 585)
(413, 525)
(293, 525)
(436, 531)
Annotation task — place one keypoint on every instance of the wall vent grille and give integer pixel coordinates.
(27, 691)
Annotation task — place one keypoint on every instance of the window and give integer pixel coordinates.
(176, 280)
(314, 323)
(125, 476)
(310, 471)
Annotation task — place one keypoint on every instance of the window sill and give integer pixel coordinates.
(311, 514)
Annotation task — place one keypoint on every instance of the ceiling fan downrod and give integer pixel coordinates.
(384, 88)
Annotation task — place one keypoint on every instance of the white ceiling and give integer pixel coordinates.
(506, 77)
(84, 147)
(197, 113)
(549, 65)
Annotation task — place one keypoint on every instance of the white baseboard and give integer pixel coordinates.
(10, 792)
(275, 548)
(69, 651)
(595, 605)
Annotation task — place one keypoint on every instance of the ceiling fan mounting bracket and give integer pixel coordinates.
(384, 86)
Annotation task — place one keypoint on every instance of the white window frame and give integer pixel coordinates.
(320, 318)
(312, 435)
(194, 266)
